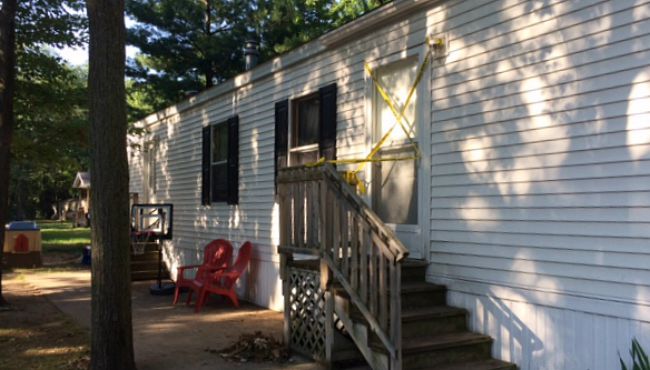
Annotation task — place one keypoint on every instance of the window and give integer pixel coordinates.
(312, 132)
(149, 187)
(221, 162)
(150, 156)
(305, 130)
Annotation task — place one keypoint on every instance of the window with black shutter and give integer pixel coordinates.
(221, 162)
(305, 130)
(311, 134)
(327, 115)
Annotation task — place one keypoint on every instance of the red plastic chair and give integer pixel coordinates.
(217, 255)
(223, 282)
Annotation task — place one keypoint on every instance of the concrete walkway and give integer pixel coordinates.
(166, 336)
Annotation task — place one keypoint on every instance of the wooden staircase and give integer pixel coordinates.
(371, 305)
(434, 335)
(145, 266)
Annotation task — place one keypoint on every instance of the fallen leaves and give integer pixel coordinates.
(256, 347)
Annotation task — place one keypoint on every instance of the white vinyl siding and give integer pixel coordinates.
(540, 127)
(539, 178)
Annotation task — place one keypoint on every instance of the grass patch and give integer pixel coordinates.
(63, 236)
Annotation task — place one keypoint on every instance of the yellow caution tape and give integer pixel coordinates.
(352, 177)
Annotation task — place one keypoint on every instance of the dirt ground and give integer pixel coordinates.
(165, 336)
(34, 334)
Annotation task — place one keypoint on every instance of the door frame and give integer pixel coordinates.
(423, 228)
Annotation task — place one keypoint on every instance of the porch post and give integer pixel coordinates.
(329, 327)
(285, 259)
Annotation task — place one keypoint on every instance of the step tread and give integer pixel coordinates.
(435, 342)
(145, 257)
(490, 364)
(414, 263)
(314, 264)
(407, 288)
(346, 354)
(148, 271)
(448, 340)
(147, 267)
(423, 313)
(138, 263)
(148, 277)
(421, 286)
(420, 313)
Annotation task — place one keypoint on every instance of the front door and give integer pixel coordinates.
(398, 189)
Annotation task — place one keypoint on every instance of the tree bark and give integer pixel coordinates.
(7, 87)
(111, 331)
(209, 71)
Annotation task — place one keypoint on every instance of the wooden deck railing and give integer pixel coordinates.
(320, 214)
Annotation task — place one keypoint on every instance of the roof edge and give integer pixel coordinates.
(261, 71)
(370, 21)
(362, 25)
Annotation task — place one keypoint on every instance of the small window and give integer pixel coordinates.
(305, 130)
(150, 166)
(219, 163)
(310, 134)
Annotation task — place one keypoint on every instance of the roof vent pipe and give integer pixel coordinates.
(251, 54)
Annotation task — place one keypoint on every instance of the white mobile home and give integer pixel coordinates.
(530, 197)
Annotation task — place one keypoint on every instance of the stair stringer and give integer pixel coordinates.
(359, 334)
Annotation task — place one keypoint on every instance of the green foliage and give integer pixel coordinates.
(50, 137)
(185, 46)
(286, 24)
(189, 45)
(56, 23)
(639, 358)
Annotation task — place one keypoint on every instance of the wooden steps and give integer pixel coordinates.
(414, 294)
(480, 365)
(369, 288)
(445, 349)
(423, 321)
(434, 336)
(145, 266)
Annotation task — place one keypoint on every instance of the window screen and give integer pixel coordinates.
(219, 163)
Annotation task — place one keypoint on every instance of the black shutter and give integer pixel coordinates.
(233, 160)
(281, 134)
(327, 142)
(205, 167)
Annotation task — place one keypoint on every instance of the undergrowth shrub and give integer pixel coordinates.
(639, 358)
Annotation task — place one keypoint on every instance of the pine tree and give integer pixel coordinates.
(111, 331)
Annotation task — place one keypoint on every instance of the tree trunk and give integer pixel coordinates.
(111, 332)
(209, 71)
(7, 87)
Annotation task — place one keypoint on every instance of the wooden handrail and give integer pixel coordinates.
(321, 213)
(394, 245)
(292, 175)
